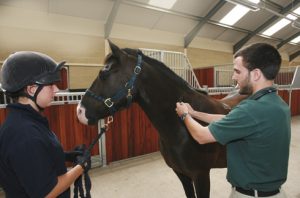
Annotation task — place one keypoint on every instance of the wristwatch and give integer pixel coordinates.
(183, 116)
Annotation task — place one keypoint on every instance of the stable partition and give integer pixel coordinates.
(130, 135)
(218, 80)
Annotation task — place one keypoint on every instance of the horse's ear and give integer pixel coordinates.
(116, 51)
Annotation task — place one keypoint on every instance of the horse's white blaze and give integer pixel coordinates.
(81, 114)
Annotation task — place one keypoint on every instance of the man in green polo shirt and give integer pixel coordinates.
(257, 132)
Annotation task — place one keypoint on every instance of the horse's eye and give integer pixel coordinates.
(105, 71)
(107, 67)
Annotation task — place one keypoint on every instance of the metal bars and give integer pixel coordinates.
(176, 61)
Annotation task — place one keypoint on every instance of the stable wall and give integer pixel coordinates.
(85, 54)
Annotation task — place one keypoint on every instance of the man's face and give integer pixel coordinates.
(242, 76)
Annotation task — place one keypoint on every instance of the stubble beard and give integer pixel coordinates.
(247, 89)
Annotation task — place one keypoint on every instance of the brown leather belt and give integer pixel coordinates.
(259, 193)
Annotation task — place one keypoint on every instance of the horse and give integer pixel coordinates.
(130, 76)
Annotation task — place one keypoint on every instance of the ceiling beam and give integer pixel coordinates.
(192, 17)
(198, 18)
(111, 18)
(181, 14)
(287, 40)
(191, 35)
(244, 40)
(294, 55)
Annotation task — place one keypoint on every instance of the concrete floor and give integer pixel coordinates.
(149, 177)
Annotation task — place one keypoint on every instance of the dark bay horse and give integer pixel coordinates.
(130, 76)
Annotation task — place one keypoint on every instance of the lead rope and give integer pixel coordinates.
(85, 178)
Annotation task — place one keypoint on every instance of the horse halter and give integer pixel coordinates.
(125, 91)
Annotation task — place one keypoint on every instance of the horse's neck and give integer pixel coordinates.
(158, 89)
(158, 94)
(233, 99)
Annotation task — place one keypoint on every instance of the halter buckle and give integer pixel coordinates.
(137, 69)
(129, 95)
(108, 102)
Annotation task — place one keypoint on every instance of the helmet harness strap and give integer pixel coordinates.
(39, 89)
(34, 97)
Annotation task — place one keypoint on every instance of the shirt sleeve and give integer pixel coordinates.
(238, 124)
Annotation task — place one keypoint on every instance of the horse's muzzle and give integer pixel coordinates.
(81, 114)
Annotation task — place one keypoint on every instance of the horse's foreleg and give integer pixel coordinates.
(187, 184)
(202, 184)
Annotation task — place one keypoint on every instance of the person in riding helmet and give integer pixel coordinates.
(32, 160)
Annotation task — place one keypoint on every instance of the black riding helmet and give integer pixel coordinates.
(27, 68)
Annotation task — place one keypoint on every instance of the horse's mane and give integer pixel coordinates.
(202, 91)
(159, 65)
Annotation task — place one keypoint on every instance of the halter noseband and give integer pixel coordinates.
(125, 91)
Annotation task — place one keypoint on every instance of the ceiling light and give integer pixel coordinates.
(292, 17)
(296, 23)
(284, 22)
(276, 27)
(296, 40)
(234, 15)
(250, 4)
(167, 4)
(297, 11)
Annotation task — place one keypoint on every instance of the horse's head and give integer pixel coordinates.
(114, 87)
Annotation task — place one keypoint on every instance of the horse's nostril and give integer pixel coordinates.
(79, 110)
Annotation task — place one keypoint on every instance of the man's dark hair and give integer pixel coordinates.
(262, 56)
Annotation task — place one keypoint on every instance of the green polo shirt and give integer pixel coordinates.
(257, 134)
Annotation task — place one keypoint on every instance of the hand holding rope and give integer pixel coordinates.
(85, 178)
